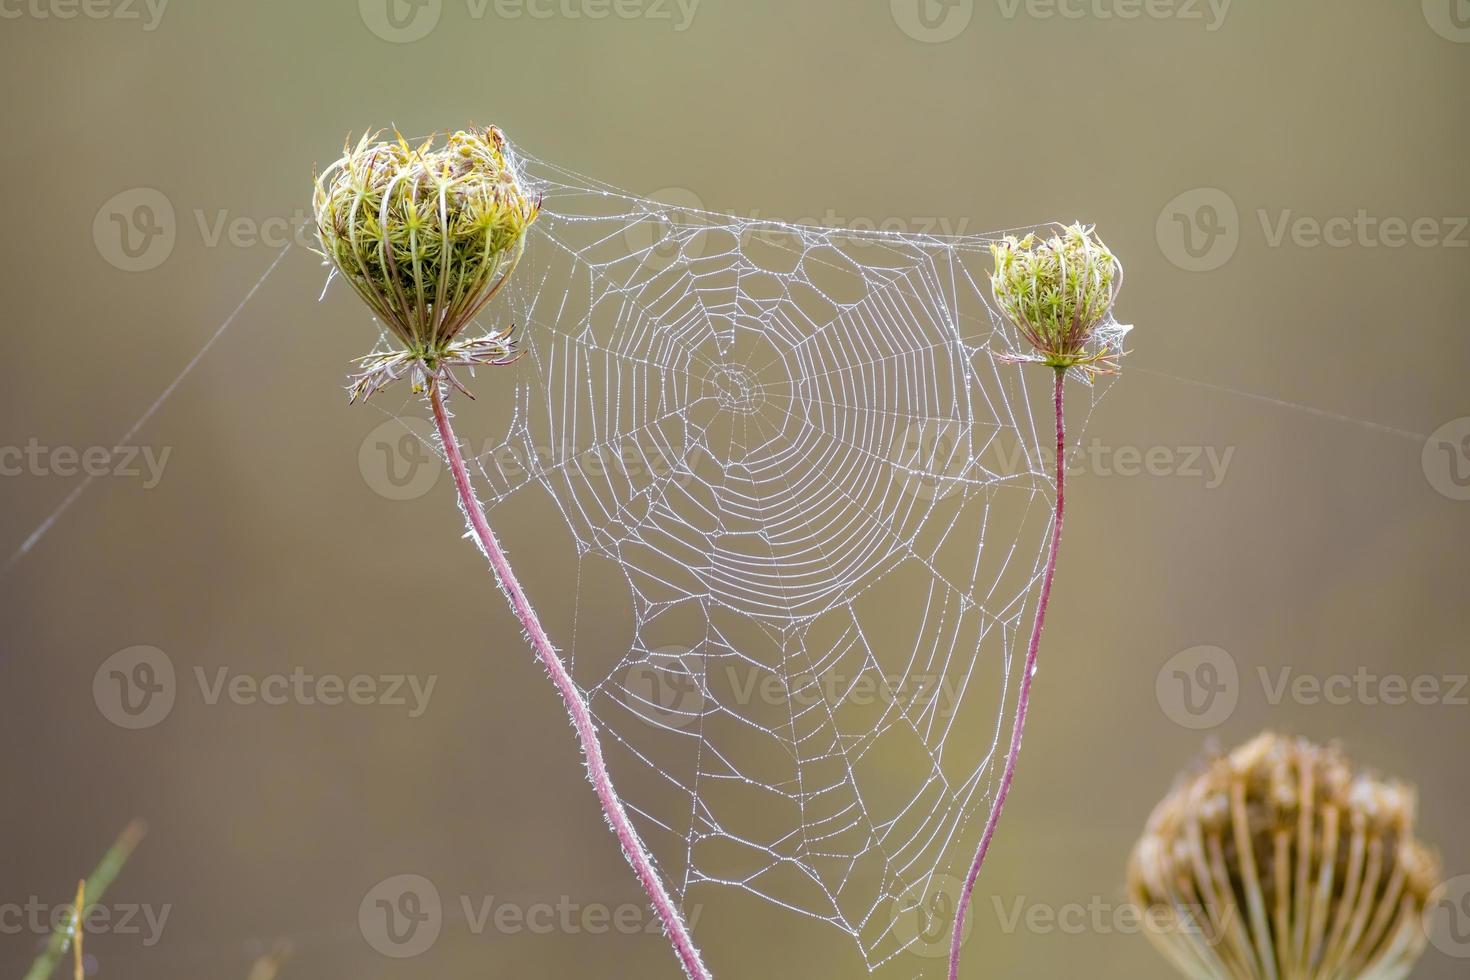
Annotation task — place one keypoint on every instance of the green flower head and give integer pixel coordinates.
(426, 236)
(1057, 293)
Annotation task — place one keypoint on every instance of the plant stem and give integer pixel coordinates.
(1023, 699)
(612, 804)
(93, 888)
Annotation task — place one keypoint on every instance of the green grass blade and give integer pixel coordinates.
(107, 870)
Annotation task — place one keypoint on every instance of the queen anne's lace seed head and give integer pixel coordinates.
(1281, 861)
(425, 236)
(1057, 292)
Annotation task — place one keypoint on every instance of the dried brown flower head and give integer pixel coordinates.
(1282, 861)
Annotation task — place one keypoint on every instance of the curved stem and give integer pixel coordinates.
(612, 804)
(1023, 699)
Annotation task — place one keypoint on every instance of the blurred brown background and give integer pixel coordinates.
(1207, 142)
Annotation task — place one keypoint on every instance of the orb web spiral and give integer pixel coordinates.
(819, 481)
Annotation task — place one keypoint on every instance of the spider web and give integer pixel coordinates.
(809, 497)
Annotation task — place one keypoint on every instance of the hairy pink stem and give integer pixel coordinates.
(1023, 699)
(612, 804)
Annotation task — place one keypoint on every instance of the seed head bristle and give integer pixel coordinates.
(1282, 861)
(1057, 292)
(426, 236)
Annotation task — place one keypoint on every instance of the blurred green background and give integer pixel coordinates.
(1284, 182)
